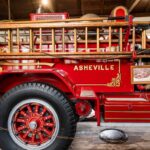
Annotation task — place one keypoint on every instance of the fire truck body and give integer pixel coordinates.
(66, 68)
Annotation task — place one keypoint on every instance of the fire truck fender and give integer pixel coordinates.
(63, 76)
(54, 77)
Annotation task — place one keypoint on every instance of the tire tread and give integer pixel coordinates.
(54, 92)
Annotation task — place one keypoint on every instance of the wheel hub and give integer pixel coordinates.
(33, 125)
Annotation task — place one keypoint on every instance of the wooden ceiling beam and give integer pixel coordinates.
(92, 6)
(82, 7)
(79, 6)
(102, 7)
(148, 7)
(135, 3)
(71, 6)
(52, 5)
(146, 14)
(33, 5)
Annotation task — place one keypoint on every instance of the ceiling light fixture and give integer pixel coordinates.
(45, 2)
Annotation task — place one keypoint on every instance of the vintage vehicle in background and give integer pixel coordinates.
(54, 70)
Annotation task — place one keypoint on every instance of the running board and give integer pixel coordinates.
(112, 124)
(126, 99)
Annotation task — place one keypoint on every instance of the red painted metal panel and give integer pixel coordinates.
(49, 16)
(100, 76)
(134, 107)
(127, 115)
(57, 78)
(129, 121)
(140, 107)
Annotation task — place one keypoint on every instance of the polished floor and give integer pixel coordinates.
(87, 137)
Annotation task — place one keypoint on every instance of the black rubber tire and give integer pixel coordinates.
(47, 93)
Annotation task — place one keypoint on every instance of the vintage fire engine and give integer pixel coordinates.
(54, 70)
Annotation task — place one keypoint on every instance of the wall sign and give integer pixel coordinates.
(140, 74)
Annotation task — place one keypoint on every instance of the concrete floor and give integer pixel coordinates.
(87, 137)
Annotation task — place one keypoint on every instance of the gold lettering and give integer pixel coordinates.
(95, 67)
(86, 67)
(90, 67)
(112, 67)
(106, 67)
(102, 68)
(81, 67)
(75, 68)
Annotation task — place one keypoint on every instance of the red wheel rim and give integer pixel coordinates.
(33, 124)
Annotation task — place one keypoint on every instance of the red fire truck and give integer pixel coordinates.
(54, 70)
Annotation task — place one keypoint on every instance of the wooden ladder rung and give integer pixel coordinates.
(120, 39)
(110, 30)
(98, 32)
(40, 39)
(86, 39)
(31, 40)
(9, 41)
(133, 38)
(75, 39)
(53, 40)
(18, 39)
(144, 39)
(63, 39)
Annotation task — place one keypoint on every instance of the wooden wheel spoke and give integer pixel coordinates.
(21, 128)
(47, 117)
(49, 124)
(36, 108)
(33, 138)
(43, 111)
(21, 120)
(23, 113)
(29, 109)
(26, 134)
(47, 132)
(40, 136)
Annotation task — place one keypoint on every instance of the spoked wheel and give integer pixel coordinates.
(33, 123)
(37, 117)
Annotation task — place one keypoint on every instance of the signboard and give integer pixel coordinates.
(140, 74)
